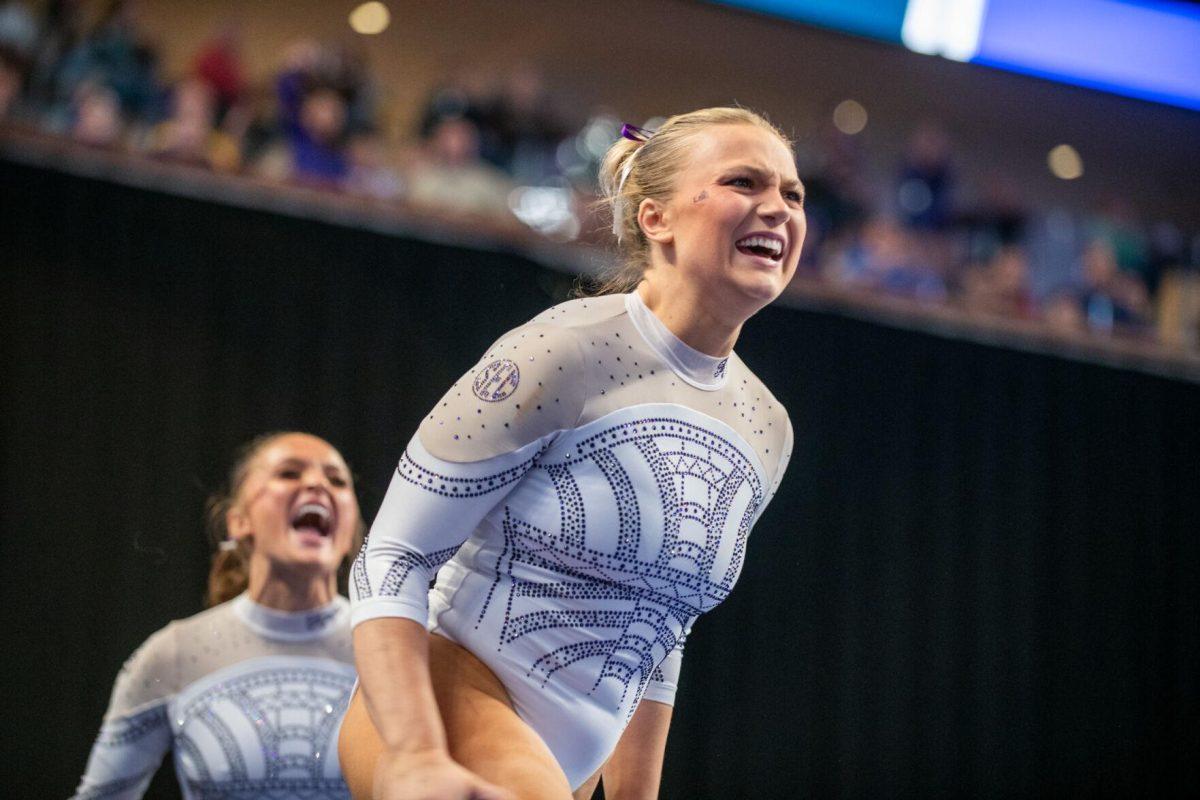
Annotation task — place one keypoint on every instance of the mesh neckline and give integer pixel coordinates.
(695, 368)
(312, 623)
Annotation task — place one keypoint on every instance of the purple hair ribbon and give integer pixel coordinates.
(636, 134)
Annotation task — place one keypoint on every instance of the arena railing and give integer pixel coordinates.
(441, 226)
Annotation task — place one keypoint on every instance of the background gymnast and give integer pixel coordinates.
(249, 693)
(589, 487)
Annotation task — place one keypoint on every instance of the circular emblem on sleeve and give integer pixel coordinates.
(497, 381)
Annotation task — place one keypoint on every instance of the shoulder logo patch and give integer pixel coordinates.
(497, 381)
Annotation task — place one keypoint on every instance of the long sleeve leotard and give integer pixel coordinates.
(248, 698)
(582, 495)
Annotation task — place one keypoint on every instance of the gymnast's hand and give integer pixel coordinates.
(430, 775)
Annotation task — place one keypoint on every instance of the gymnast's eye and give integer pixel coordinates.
(742, 182)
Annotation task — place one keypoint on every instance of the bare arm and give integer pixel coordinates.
(393, 664)
(451, 476)
(392, 656)
(635, 768)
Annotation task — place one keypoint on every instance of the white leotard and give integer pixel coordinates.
(249, 699)
(589, 487)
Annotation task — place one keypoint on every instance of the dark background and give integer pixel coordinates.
(979, 578)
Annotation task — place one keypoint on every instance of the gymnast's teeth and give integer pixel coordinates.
(313, 515)
(766, 242)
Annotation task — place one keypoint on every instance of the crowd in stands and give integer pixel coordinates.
(506, 147)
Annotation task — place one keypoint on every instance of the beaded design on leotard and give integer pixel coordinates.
(249, 699)
(661, 593)
(404, 564)
(601, 505)
(293, 712)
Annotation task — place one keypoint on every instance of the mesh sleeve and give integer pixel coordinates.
(781, 465)
(529, 383)
(469, 453)
(136, 732)
(785, 458)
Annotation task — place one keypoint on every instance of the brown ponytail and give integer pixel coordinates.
(229, 574)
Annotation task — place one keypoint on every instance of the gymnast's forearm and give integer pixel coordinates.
(634, 770)
(392, 655)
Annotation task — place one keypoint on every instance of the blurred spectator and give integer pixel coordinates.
(219, 64)
(926, 179)
(253, 124)
(517, 125)
(997, 220)
(317, 136)
(60, 30)
(371, 172)
(529, 127)
(12, 78)
(1116, 223)
(471, 95)
(115, 55)
(326, 96)
(1110, 298)
(1063, 313)
(345, 69)
(188, 134)
(836, 195)
(97, 116)
(313, 117)
(1179, 308)
(882, 256)
(18, 30)
(1001, 288)
(450, 173)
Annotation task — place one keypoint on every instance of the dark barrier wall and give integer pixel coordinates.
(979, 577)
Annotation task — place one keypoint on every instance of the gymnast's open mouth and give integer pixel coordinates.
(770, 246)
(314, 519)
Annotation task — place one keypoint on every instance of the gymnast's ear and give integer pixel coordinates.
(654, 218)
(237, 524)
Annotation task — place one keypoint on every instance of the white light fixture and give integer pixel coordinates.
(370, 18)
(948, 28)
(850, 117)
(1065, 163)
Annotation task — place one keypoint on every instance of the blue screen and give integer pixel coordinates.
(1144, 49)
(880, 19)
(1148, 49)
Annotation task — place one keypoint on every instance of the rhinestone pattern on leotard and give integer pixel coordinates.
(646, 602)
(628, 470)
(132, 728)
(248, 698)
(408, 564)
(293, 713)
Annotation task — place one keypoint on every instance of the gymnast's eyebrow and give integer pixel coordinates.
(796, 185)
(763, 174)
(293, 462)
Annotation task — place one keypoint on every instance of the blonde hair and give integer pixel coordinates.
(229, 574)
(633, 171)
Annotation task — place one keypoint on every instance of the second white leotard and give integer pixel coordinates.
(589, 487)
(248, 698)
